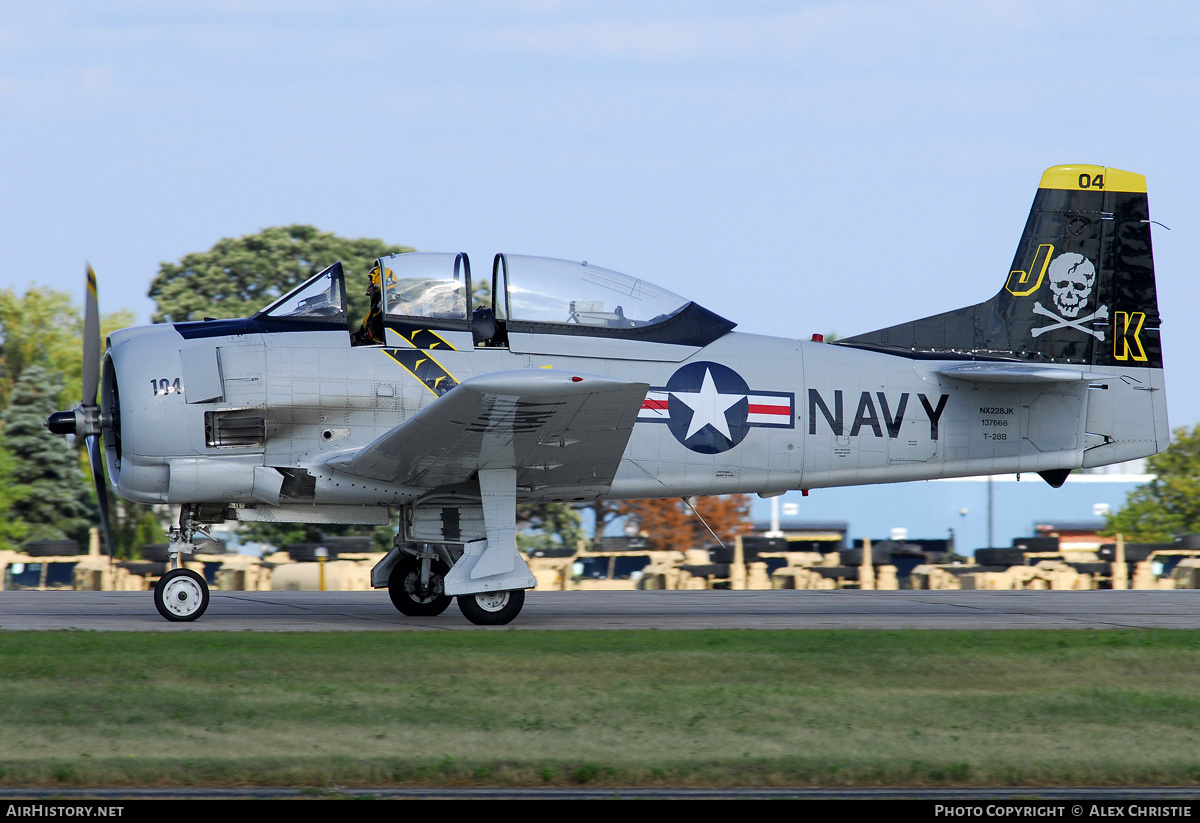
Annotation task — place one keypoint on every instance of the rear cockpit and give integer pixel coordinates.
(549, 293)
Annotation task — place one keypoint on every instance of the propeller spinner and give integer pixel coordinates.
(85, 419)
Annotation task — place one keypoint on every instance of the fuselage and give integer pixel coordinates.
(202, 416)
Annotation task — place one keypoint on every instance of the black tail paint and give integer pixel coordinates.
(1081, 289)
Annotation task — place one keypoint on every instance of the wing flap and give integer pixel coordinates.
(564, 433)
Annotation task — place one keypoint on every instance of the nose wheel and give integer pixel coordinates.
(181, 595)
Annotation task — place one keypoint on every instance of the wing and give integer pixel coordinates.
(564, 434)
(1019, 373)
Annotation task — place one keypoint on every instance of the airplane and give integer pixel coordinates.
(580, 383)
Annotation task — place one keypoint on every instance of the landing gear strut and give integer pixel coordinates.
(181, 595)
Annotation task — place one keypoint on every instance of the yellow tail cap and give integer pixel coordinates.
(1099, 178)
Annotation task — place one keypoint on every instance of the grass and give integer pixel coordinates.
(619, 708)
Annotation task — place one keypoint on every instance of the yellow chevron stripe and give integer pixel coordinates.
(428, 372)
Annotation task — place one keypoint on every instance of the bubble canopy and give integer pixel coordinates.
(544, 295)
(539, 295)
(545, 290)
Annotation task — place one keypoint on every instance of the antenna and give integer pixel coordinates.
(688, 503)
(685, 500)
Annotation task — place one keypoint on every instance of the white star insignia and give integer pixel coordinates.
(708, 407)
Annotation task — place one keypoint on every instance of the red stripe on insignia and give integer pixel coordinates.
(786, 411)
(654, 404)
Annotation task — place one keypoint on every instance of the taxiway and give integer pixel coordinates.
(781, 609)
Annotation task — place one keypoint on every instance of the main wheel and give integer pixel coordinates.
(404, 587)
(491, 608)
(181, 595)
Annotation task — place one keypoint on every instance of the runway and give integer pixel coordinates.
(675, 610)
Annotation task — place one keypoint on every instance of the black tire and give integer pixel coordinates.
(404, 588)
(492, 608)
(52, 548)
(1001, 557)
(181, 595)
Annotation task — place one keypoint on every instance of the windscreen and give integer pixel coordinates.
(318, 298)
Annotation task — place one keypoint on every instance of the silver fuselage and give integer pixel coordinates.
(841, 416)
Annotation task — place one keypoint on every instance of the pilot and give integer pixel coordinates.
(371, 330)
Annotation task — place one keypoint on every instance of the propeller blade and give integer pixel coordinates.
(91, 341)
(94, 455)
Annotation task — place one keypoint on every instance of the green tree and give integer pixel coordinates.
(58, 502)
(12, 530)
(1168, 505)
(44, 327)
(40, 327)
(481, 294)
(548, 526)
(238, 276)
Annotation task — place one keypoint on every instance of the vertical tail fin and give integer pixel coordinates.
(1080, 289)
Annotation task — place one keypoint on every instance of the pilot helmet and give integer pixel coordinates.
(389, 278)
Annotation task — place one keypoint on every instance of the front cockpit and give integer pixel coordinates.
(416, 289)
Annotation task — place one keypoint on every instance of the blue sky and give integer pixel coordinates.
(796, 167)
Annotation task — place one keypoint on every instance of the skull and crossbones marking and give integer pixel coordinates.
(1100, 314)
(1072, 278)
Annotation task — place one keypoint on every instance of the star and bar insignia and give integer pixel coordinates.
(710, 408)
